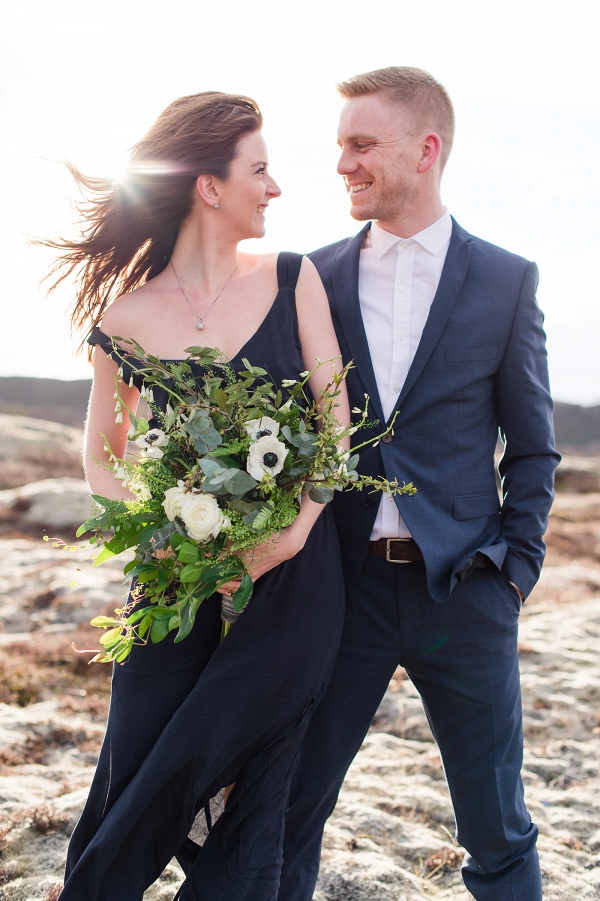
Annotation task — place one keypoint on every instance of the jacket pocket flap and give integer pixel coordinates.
(471, 354)
(470, 506)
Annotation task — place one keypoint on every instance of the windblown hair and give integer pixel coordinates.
(129, 228)
(415, 89)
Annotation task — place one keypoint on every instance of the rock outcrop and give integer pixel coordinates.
(34, 449)
(391, 837)
(60, 504)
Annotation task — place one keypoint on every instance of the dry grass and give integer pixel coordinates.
(54, 892)
(38, 745)
(445, 858)
(43, 819)
(47, 666)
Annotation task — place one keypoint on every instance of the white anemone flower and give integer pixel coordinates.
(267, 456)
(261, 428)
(152, 441)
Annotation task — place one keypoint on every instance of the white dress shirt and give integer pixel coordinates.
(397, 281)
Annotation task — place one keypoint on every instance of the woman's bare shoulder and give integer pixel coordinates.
(310, 285)
(127, 313)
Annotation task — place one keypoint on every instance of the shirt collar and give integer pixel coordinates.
(432, 239)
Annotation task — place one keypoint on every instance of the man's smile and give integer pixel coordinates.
(356, 189)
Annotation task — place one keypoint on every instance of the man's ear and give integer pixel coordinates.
(207, 189)
(431, 146)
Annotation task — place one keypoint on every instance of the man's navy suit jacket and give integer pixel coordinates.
(480, 366)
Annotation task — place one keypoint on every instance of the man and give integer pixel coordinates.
(446, 336)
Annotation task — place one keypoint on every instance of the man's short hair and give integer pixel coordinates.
(415, 89)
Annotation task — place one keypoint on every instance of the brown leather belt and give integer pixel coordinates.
(396, 550)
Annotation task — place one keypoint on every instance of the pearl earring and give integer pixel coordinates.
(215, 206)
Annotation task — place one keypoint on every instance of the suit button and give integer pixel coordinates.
(387, 439)
(369, 503)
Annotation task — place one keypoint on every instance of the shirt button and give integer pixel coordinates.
(396, 388)
(402, 288)
(404, 245)
(400, 336)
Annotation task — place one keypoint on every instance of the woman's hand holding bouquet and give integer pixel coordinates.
(216, 486)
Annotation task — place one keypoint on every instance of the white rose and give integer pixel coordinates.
(203, 517)
(173, 502)
(261, 428)
(267, 455)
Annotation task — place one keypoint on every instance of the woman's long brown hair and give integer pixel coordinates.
(129, 228)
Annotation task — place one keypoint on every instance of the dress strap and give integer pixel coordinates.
(98, 337)
(288, 269)
(127, 362)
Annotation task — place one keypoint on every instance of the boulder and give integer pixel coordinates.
(51, 503)
(578, 474)
(34, 449)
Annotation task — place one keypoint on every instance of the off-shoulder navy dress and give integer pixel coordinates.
(187, 719)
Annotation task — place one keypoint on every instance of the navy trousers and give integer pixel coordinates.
(462, 658)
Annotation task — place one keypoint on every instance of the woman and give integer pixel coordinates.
(157, 261)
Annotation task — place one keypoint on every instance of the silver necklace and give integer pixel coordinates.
(200, 324)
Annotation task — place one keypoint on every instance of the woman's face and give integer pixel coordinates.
(244, 197)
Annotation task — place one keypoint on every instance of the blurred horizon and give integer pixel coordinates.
(84, 82)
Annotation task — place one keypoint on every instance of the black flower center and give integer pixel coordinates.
(270, 460)
(150, 437)
(263, 433)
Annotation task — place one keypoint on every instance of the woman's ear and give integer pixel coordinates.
(207, 189)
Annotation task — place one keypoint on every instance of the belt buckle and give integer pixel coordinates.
(388, 550)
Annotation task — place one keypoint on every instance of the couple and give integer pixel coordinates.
(444, 330)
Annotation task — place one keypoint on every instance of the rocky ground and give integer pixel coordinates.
(391, 836)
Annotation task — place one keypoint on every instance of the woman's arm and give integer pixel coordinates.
(101, 422)
(318, 340)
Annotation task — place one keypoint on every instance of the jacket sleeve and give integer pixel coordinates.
(525, 414)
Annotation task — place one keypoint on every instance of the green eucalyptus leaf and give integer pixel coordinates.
(162, 537)
(210, 467)
(239, 482)
(321, 495)
(352, 462)
(202, 432)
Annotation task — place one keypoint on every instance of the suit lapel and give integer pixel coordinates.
(451, 282)
(345, 286)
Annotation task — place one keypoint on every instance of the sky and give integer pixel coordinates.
(84, 80)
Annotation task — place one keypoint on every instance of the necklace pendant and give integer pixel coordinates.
(200, 325)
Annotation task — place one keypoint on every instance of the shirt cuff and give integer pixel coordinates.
(518, 590)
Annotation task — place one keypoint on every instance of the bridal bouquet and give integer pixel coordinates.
(219, 470)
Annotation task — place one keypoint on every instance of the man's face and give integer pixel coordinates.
(380, 156)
